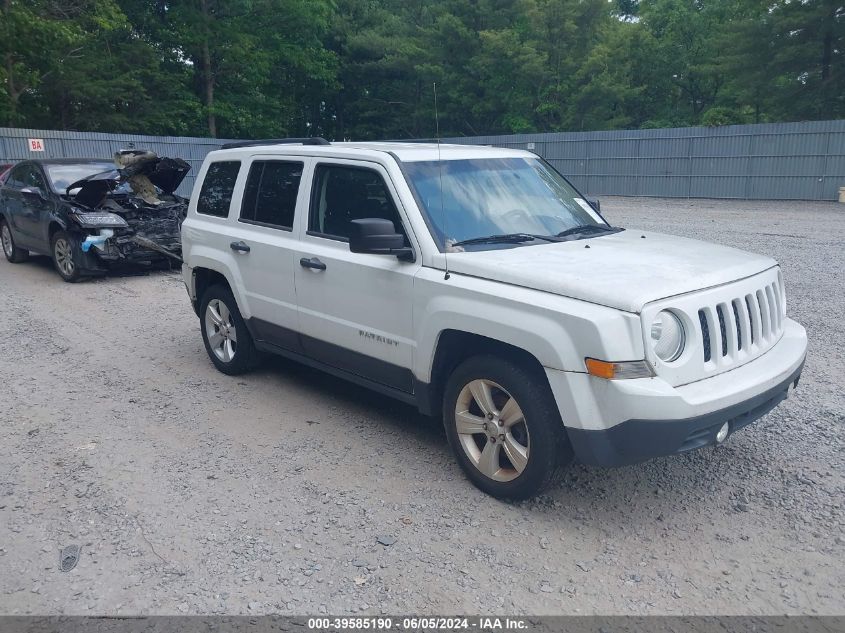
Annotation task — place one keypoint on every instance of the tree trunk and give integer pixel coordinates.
(9, 63)
(208, 75)
(827, 54)
(13, 90)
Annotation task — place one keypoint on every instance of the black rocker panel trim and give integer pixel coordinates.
(365, 370)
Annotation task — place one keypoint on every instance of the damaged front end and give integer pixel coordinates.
(130, 215)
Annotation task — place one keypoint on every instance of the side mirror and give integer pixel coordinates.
(33, 193)
(594, 202)
(377, 237)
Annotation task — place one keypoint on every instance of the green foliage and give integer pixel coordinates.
(365, 69)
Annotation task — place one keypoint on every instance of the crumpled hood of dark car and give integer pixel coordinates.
(167, 175)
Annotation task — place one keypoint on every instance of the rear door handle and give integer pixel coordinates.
(239, 246)
(314, 263)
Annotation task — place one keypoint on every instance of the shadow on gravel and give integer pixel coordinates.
(44, 263)
(710, 485)
(655, 491)
(380, 409)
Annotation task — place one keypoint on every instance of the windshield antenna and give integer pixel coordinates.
(440, 178)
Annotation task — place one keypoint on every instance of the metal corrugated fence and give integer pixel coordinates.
(778, 161)
(802, 161)
(14, 146)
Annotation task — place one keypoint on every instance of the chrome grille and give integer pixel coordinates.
(745, 325)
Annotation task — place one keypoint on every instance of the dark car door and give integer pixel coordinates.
(28, 203)
(11, 204)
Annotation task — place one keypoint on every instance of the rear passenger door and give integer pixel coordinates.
(264, 231)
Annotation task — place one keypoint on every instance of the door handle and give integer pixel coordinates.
(313, 263)
(239, 246)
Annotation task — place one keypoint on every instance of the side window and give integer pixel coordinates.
(216, 192)
(270, 195)
(20, 177)
(342, 194)
(34, 178)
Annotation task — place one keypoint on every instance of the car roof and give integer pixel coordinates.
(406, 152)
(68, 161)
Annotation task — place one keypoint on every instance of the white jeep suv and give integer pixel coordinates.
(477, 283)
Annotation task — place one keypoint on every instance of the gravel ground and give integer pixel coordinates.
(193, 492)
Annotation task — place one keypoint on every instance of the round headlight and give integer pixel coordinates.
(667, 336)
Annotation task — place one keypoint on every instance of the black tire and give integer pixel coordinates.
(244, 357)
(66, 254)
(13, 253)
(548, 446)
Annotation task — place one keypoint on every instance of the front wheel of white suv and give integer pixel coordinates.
(504, 427)
(227, 339)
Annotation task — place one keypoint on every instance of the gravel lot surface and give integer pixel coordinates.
(193, 492)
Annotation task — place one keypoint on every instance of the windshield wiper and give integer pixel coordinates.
(506, 238)
(589, 228)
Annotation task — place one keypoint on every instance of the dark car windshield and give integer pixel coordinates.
(62, 176)
(496, 196)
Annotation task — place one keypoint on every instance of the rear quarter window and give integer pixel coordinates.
(270, 195)
(217, 187)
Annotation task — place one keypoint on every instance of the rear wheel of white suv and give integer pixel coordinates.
(227, 339)
(504, 427)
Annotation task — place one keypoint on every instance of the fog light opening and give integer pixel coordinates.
(722, 433)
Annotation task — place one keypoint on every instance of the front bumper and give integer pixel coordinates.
(118, 252)
(613, 423)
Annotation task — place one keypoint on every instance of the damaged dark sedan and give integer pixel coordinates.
(92, 216)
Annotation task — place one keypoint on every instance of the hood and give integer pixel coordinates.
(93, 189)
(165, 173)
(622, 270)
(169, 174)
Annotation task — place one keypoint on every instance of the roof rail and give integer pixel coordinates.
(277, 141)
(413, 140)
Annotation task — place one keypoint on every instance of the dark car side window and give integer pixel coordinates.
(342, 194)
(25, 176)
(270, 194)
(217, 187)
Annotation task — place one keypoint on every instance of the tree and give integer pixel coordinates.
(28, 29)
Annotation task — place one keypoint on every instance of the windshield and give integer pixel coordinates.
(62, 176)
(496, 196)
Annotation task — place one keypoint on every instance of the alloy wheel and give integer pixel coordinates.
(492, 430)
(64, 256)
(6, 237)
(220, 330)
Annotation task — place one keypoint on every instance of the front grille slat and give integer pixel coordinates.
(774, 299)
(730, 345)
(715, 333)
(723, 330)
(705, 335)
(765, 324)
(753, 318)
(739, 319)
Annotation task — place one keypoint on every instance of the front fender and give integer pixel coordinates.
(558, 331)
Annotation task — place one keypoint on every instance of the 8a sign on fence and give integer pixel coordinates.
(36, 145)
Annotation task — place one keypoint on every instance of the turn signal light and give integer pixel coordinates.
(618, 371)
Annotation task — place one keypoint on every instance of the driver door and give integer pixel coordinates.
(355, 310)
(25, 211)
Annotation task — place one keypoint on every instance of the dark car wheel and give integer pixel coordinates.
(13, 253)
(227, 339)
(504, 427)
(64, 249)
